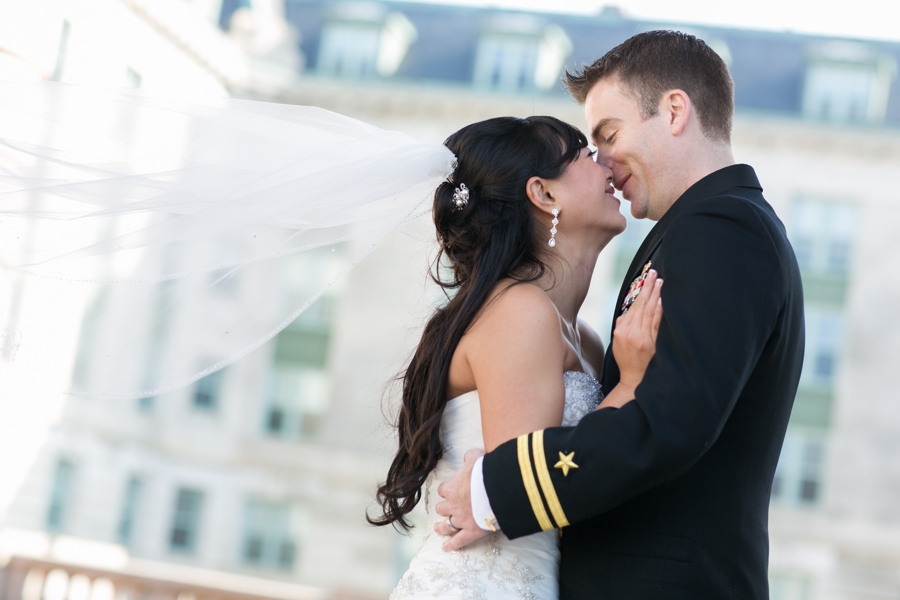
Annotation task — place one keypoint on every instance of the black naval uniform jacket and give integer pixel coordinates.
(670, 495)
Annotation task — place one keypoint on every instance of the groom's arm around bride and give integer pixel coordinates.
(667, 497)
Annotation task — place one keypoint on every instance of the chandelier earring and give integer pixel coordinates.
(554, 222)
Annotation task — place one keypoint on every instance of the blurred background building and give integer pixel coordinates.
(254, 483)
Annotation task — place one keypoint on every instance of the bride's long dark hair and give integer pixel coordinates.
(492, 238)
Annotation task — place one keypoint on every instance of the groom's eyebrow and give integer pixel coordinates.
(595, 132)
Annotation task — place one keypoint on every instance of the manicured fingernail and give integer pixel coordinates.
(659, 282)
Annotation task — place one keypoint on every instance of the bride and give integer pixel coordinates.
(521, 223)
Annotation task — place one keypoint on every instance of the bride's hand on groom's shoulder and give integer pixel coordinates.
(457, 507)
(634, 338)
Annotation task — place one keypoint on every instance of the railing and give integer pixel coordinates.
(35, 579)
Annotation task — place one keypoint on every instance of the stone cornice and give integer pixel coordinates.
(423, 102)
(816, 139)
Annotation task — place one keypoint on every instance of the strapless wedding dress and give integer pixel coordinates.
(493, 567)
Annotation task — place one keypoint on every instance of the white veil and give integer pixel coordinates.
(152, 208)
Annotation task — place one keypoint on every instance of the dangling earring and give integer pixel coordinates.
(555, 222)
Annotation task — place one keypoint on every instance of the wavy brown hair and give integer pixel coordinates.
(492, 238)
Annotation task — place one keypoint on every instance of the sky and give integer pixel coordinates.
(866, 19)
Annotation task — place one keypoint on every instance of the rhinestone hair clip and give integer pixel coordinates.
(461, 196)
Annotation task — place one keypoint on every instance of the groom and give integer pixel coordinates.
(668, 496)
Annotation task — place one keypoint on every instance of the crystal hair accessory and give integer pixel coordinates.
(461, 196)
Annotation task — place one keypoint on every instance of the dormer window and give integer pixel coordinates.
(362, 40)
(847, 82)
(519, 52)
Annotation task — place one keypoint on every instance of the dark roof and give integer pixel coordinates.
(767, 66)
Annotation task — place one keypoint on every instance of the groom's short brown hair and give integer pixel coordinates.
(650, 64)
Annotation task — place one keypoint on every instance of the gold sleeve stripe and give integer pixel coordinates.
(543, 473)
(534, 496)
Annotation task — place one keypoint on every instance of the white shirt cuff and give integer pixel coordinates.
(481, 505)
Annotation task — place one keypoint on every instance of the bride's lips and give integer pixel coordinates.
(611, 192)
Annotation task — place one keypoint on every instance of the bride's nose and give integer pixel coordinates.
(607, 171)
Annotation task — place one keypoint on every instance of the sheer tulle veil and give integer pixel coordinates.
(124, 202)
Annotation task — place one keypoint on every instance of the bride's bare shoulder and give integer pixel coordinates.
(516, 337)
(520, 306)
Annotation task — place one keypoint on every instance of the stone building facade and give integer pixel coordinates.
(264, 472)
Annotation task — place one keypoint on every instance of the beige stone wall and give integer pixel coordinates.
(845, 546)
(848, 544)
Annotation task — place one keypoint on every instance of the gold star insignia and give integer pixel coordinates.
(565, 463)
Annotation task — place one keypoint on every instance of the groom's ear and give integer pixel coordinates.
(676, 107)
(539, 194)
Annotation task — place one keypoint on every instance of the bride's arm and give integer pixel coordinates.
(516, 353)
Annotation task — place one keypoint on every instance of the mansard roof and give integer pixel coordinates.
(768, 67)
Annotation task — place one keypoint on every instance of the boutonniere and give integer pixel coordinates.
(635, 288)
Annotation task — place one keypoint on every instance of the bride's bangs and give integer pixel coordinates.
(565, 139)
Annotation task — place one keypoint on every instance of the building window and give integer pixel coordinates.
(822, 234)
(60, 496)
(506, 62)
(269, 535)
(798, 477)
(789, 586)
(297, 399)
(186, 521)
(517, 53)
(824, 333)
(207, 390)
(363, 40)
(847, 82)
(129, 510)
(349, 50)
(298, 387)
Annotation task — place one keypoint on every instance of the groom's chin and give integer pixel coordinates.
(637, 211)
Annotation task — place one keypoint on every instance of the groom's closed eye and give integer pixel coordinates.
(604, 124)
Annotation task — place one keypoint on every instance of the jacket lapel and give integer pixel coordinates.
(712, 184)
(648, 247)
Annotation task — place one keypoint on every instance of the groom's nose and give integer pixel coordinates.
(604, 158)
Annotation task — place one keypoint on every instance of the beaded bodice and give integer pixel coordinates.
(582, 396)
(493, 567)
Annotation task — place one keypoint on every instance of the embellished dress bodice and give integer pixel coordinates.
(493, 567)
